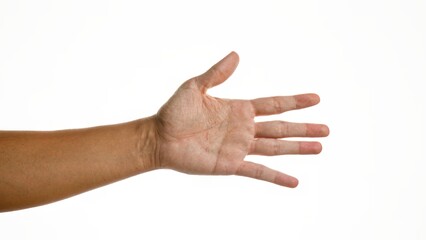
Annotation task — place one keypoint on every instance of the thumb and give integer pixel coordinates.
(218, 73)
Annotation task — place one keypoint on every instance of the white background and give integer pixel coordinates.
(73, 64)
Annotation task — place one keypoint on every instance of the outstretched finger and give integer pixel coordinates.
(258, 171)
(273, 147)
(281, 129)
(218, 73)
(276, 105)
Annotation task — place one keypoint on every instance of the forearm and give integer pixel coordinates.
(41, 167)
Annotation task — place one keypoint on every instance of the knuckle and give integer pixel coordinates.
(276, 104)
(258, 172)
(217, 73)
(283, 129)
(276, 147)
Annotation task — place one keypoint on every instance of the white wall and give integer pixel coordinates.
(72, 64)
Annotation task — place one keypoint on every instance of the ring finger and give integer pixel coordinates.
(272, 147)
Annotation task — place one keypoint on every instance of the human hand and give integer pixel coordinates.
(201, 134)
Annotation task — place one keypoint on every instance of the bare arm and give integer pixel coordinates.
(193, 133)
(42, 167)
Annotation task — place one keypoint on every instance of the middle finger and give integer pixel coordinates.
(281, 129)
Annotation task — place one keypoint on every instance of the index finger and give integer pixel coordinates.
(276, 105)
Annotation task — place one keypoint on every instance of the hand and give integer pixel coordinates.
(201, 134)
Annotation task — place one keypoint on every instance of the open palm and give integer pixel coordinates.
(200, 134)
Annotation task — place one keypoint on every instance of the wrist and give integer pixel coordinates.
(147, 139)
